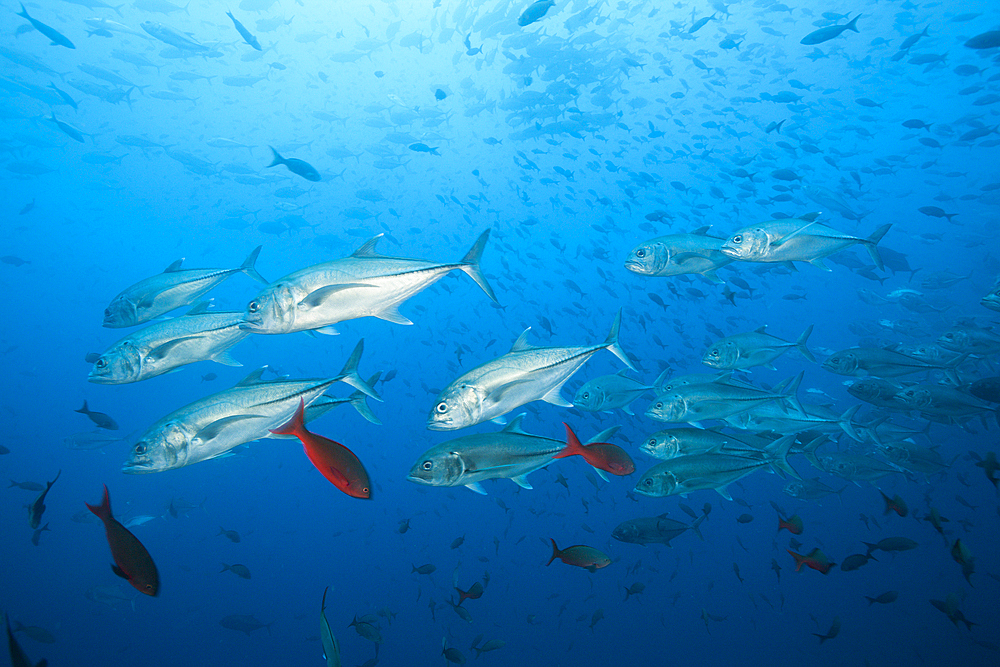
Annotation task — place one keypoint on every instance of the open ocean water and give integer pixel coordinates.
(826, 171)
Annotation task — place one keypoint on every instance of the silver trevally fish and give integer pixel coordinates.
(608, 392)
(365, 284)
(754, 348)
(213, 425)
(508, 454)
(524, 374)
(713, 470)
(679, 254)
(675, 442)
(164, 346)
(718, 400)
(168, 35)
(797, 240)
(175, 287)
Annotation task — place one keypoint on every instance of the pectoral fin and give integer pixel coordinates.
(317, 297)
(161, 351)
(392, 314)
(522, 481)
(555, 398)
(214, 429)
(477, 487)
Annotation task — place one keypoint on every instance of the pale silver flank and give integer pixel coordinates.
(522, 375)
(364, 284)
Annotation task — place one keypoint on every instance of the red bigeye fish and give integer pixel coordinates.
(894, 504)
(601, 455)
(474, 593)
(132, 561)
(793, 525)
(579, 555)
(337, 463)
(815, 559)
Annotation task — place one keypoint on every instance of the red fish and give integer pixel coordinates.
(895, 504)
(580, 555)
(474, 593)
(132, 561)
(815, 559)
(337, 463)
(793, 525)
(601, 455)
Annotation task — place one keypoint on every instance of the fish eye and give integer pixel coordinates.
(253, 307)
(652, 442)
(586, 394)
(738, 238)
(659, 406)
(140, 448)
(442, 408)
(427, 465)
(715, 353)
(648, 481)
(640, 253)
(101, 363)
(149, 587)
(107, 312)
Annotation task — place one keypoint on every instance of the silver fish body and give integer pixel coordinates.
(796, 240)
(164, 346)
(672, 443)
(679, 254)
(754, 348)
(717, 400)
(713, 470)
(211, 426)
(524, 374)
(364, 284)
(174, 288)
(508, 454)
(608, 392)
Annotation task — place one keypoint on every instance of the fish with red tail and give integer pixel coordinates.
(793, 524)
(895, 504)
(474, 593)
(601, 455)
(815, 559)
(336, 462)
(580, 555)
(132, 561)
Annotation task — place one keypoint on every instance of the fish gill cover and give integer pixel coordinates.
(777, 218)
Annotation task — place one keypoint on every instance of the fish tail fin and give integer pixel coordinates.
(871, 547)
(358, 402)
(809, 449)
(294, 426)
(248, 266)
(696, 526)
(800, 344)
(799, 559)
(84, 410)
(661, 379)
(789, 392)
(555, 552)
(102, 511)
(224, 566)
(23, 12)
(573, 445)
(846, 423)
(470, 264)
(779, 453)
(349, 373)
(853, 24)
(612, 345)
(871, 244)
(277, 158)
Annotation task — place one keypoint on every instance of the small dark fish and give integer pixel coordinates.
(580, 555)
(132, 561)
(296, 166)
(744, 518)
(440, 94)
(474, 593)
(38, 534)
(27, 207)
(241, 571)
(99, 418)
(14, 261)
(424, 148)
(424, 569)
(37, 508)
(231, 534)
(885, 598)
(244, 33)
(208, 377)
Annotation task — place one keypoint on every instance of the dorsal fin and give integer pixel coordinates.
(760, 329)
(368, 249)
(810, 217)
(200, 307)
(521, 343)
(253, 378)
(176, 266)
(702, 231)
(515, 425)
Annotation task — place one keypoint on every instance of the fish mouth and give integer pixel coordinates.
(439, 425)
(418, 480)
(635, 266)
(137, 467)
(253, 326)
(730, 252)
